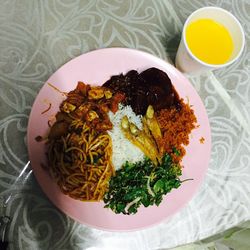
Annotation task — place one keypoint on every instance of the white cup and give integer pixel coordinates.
(187, 62)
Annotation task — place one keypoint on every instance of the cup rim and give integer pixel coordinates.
(196, 58)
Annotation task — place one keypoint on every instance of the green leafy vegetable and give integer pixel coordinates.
(176, 151)
(141, 183)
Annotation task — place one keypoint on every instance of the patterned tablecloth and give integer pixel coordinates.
(37, 37)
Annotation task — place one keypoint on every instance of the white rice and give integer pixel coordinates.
(123, 150)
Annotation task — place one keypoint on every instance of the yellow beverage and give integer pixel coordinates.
(209, 41)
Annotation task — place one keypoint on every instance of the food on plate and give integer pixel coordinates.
(46, 110)
(148, 139)
(152, 127)
(121, 142)
(150, 87)
(202, 140)
(79, 147)
(142, 183)
(140, 139)
(80, 162)
(123, 149)
(176, 126)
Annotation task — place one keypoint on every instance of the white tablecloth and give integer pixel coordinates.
(37, 37)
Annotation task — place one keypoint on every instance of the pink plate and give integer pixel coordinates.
(95, 68)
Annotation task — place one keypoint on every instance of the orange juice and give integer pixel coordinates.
(209, 41)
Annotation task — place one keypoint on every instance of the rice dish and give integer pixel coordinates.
(123, 149)
(121, 142)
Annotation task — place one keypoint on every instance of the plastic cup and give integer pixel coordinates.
(187, 62)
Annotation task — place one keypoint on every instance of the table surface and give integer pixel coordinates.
(37, 37)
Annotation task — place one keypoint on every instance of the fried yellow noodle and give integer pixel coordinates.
(81, 163)
(79, 147)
